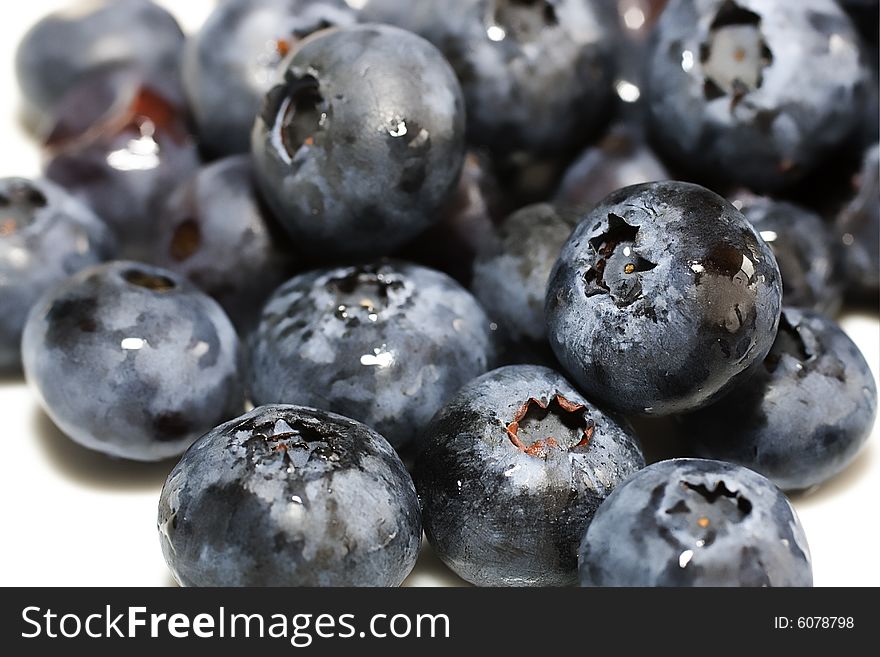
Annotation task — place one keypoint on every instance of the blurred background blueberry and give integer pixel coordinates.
(216, 231)
(229, 65)
(45, 236)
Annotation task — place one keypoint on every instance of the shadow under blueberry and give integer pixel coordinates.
(91, 468)
(661, 438)
(838, 484)
(11, 378)
(429, 567)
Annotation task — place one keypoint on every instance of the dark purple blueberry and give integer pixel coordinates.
(361, 140)
(754, 92)
(122, 147)
(663, 298)
(290, 496)
(619, 160)
(858, 227)
(386, 344)
(511, 471)
(802, 417)
(689, 522)
(132, 360)
(537, 75)
(216, 231)
(804, 249)
(66, 47)
(511, 274)
(466, 224)
(229, 65)
(45, 236)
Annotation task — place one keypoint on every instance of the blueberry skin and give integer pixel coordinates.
(67, 46)
(216, 231)
(803, 417)
(619, 160)
(858, 227)
(228, 66)
(386, 344)
(45, 236)
(122, 147)
(132, 360)
(499, 514)
(290, 496)
(537, 76)
(361, 140)
(802, 245)
(662, 299)
(692, 522)
(766, 120)
(510, 276)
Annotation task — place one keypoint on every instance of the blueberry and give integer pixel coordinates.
(216, 231)
(45, 236)
(70, 45)
(662, 299)
(510, 276)
(230, 63)
(803, 416)
(536, 74)
(511, 472)
(465, 225)
(290, 496)
(361, 140)
(122, 147)
(690, 522)
(620, 159)
(386, 344)
(730, 97)
(132, 360)
(802, 244)
(858, 225)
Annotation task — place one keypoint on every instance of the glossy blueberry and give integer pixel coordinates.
(69, 45)
(45, 236)
(662, 299)
(361, 140)
(386, 344)
(803, 416)
(537, 75)
(803, 247)
(690, 522)
(732, 98)
(132, 360)
(230, 63)
(510, 275)
(290, 496)
(216, 231)
(122, 147)
(620, 159)
(858, 225)
(511, 472)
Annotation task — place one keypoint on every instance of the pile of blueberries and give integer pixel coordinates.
(446, 251)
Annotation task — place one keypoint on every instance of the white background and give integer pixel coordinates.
(73, 517)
